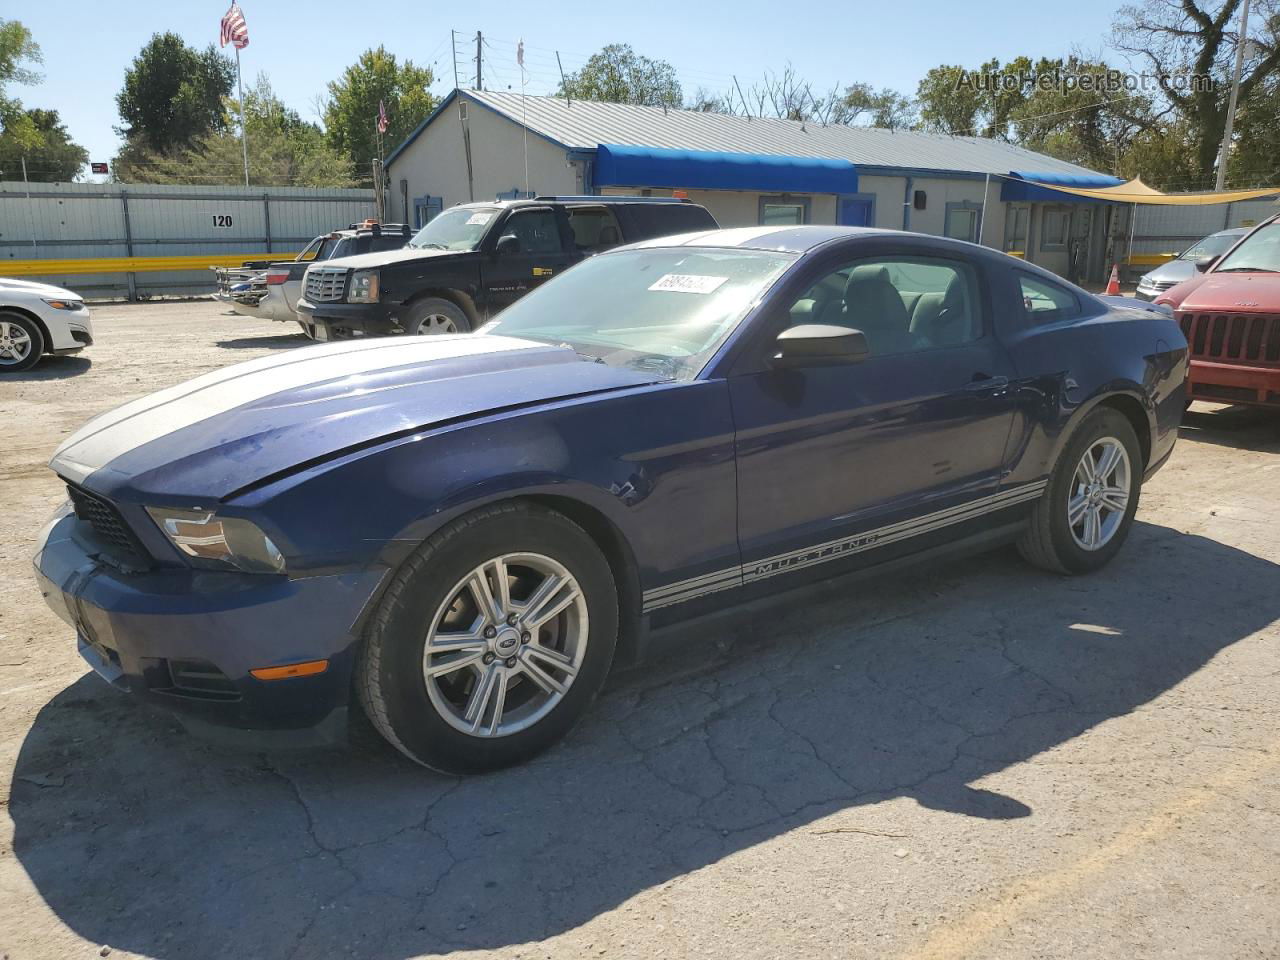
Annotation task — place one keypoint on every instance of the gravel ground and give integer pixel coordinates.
(977, 760)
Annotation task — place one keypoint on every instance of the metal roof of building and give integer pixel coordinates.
(584, 124)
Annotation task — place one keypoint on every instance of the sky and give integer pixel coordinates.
(303, 44)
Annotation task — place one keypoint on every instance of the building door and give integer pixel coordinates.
(857, 210)
(1017, 223)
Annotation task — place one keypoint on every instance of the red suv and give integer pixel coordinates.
(1230, 314)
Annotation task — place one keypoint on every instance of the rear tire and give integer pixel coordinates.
(1078, 524)
(436, 315)
(506, 685)
(21, 343)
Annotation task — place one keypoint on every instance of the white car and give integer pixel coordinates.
(38, 319)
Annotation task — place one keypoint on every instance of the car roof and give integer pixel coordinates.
(789, 239)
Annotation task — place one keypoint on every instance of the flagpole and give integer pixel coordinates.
(244, 133)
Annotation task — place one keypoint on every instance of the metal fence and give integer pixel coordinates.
(1162, 232)
(145, 240)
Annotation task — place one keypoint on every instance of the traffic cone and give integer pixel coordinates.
(1113, 285)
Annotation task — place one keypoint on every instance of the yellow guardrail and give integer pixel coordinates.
(1150, 259)
(201, 261)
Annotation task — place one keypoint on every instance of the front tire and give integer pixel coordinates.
(1086, 511)
(491, 640)
(434, 315)
(21, 343)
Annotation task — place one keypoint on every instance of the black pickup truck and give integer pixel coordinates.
(474, 259)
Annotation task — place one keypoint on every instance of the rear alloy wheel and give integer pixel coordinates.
(436, 315)
(491, 640)
(21, 343)
(1086, 511)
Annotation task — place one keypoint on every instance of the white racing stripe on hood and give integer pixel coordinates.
(116, 432)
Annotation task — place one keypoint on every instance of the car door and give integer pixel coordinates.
(840, 459)
(530, 248)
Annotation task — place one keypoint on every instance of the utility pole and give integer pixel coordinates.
(479, 61)
(1235, 93)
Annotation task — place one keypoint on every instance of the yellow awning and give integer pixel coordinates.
(1135, 191)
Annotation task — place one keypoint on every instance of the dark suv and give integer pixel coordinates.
(476, 258)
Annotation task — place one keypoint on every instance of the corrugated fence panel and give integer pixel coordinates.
(90, 222)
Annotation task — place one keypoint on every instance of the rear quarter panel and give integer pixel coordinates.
(1064, 370)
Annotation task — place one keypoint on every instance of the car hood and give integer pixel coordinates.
(365, 261)
(1233, 293)
(1174, 271)
(28, 287)
(206, 439)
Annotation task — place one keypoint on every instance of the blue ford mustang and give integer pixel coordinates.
(463, 532)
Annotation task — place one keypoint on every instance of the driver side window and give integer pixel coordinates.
(901, 304)
(536, 231)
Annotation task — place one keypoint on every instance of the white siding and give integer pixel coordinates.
(435, 164)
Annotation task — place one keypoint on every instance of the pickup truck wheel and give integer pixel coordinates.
(1086, 511)
(436, 315)
(21, 343)
(491, 640)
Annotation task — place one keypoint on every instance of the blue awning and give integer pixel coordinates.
(619, 165)
(1022, 187)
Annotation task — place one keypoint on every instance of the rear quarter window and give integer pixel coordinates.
(643, 221)
(1045, 302)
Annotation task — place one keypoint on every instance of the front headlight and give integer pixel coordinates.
(214, 541)
(66, 304)
(364, 287)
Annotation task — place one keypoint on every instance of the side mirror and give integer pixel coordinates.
(1204, 263)
(507, 245)
(819, 344)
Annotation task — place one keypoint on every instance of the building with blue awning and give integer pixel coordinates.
(482, 145)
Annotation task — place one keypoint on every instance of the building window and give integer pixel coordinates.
(961, 221)
(1056, 228)
(783, 211)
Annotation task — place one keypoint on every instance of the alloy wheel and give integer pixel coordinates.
(505, 645)
(1099, 496)
(436, 323)
(15, 344)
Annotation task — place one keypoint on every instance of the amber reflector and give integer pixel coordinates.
(307, 669)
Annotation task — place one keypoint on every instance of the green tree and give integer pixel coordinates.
(617, 74)
(284, 151)
(881, 108)
(351, 110)
(16, 49)
(173, 94)
(52, 157)
(1194, 39)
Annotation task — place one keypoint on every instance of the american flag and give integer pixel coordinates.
(234, 29)
(382, 117)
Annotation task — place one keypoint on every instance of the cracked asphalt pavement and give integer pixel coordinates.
(973, 759)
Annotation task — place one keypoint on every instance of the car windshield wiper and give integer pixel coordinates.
(429, 246)
(585, 356)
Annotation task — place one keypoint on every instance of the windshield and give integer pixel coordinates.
(664, 310)
(1260, 252)
(458, 229)
(1214, 246)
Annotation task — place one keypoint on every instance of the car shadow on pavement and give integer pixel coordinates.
(280, 341)
(51, 368)
(1241, 427)
(914, 686)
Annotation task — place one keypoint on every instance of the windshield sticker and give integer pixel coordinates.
(687, 283)
(479, 219)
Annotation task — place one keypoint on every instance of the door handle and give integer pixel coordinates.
(981, 383)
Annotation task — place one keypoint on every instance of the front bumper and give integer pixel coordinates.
(1233, 383)
(344, 320)
(187, 639)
